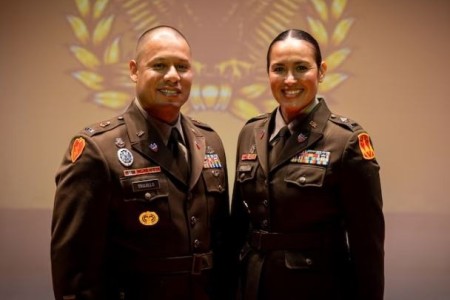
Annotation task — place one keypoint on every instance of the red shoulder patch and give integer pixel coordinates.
(77, 148)
(366, 146)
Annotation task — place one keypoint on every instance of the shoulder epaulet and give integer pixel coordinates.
(201, 124)
(259, 117)
(103, 126)
(345, 122)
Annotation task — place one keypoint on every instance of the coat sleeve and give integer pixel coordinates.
(79, 224)
(361, 197)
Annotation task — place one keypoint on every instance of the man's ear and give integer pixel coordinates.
(133, 70)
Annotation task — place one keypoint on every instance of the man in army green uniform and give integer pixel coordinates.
(141, 203)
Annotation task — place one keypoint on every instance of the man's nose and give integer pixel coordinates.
(172, 74)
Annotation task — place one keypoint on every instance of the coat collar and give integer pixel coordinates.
(145, 139)
(307, 132)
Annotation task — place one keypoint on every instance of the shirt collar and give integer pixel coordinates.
(280, 123)
(164, 129)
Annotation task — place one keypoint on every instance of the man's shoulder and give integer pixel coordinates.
(200, 124)
(103, 126)
(258, 118)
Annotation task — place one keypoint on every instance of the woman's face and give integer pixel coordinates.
(294, 76)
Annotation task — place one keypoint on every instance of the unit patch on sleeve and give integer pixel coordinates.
(312, 157)
(77, 148)
(366, 146)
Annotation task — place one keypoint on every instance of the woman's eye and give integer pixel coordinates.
(302, 69)
(278, 70)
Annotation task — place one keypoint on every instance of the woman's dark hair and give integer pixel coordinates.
(300, 35)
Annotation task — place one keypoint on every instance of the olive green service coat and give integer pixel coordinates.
(311, 225)
(127, 226)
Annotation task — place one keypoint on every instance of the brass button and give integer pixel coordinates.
(302, 180)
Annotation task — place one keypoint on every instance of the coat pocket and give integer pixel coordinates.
(214, 180)
(298, 260)
(245, 172)
(305, 175)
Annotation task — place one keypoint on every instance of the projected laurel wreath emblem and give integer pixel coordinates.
(229, 40)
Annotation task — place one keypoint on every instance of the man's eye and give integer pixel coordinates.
(158, 66)
(182, 68)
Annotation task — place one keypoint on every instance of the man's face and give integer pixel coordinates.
(163, 75)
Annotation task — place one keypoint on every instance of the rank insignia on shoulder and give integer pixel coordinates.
(312, 157)
(249, 156)
(366, 146)
(211, 161)
(125, 157)
(77, 148)
(148, 218)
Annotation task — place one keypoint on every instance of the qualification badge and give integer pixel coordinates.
(125, 157)
(148, 218)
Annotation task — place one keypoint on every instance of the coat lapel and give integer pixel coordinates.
(306, 135)
(197, 148)
(146, 140)
(261, 137)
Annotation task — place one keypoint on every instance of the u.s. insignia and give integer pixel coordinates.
(148, 218)
(125, 157)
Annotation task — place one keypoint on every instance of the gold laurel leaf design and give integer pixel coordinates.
(321, 8)
(195, 98)
(83, 7)
(254, 90)
(269, 105)
(90, 79)
(112, 52)
(79, 28)
(341, 30)
(243, 109)
(198, 67)
(85, 57)
(99, 8)
(112, 99)
(337, 8)
(318, 30)
(224, 98)
(102, 29)
(331, 81)
(336, 58)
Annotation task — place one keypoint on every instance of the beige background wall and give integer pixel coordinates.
(396, 86)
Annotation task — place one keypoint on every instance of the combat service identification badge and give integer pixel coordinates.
(125, 157)
(148, 218)
(77, 148)
(366, 146)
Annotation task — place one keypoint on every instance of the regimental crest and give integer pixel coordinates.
(233, 79)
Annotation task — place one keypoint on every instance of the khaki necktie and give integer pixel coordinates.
(176, 146)
(278, 145)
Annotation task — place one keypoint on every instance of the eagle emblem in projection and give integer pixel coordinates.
(229, 40)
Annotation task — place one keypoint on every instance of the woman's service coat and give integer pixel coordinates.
(311, 225)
